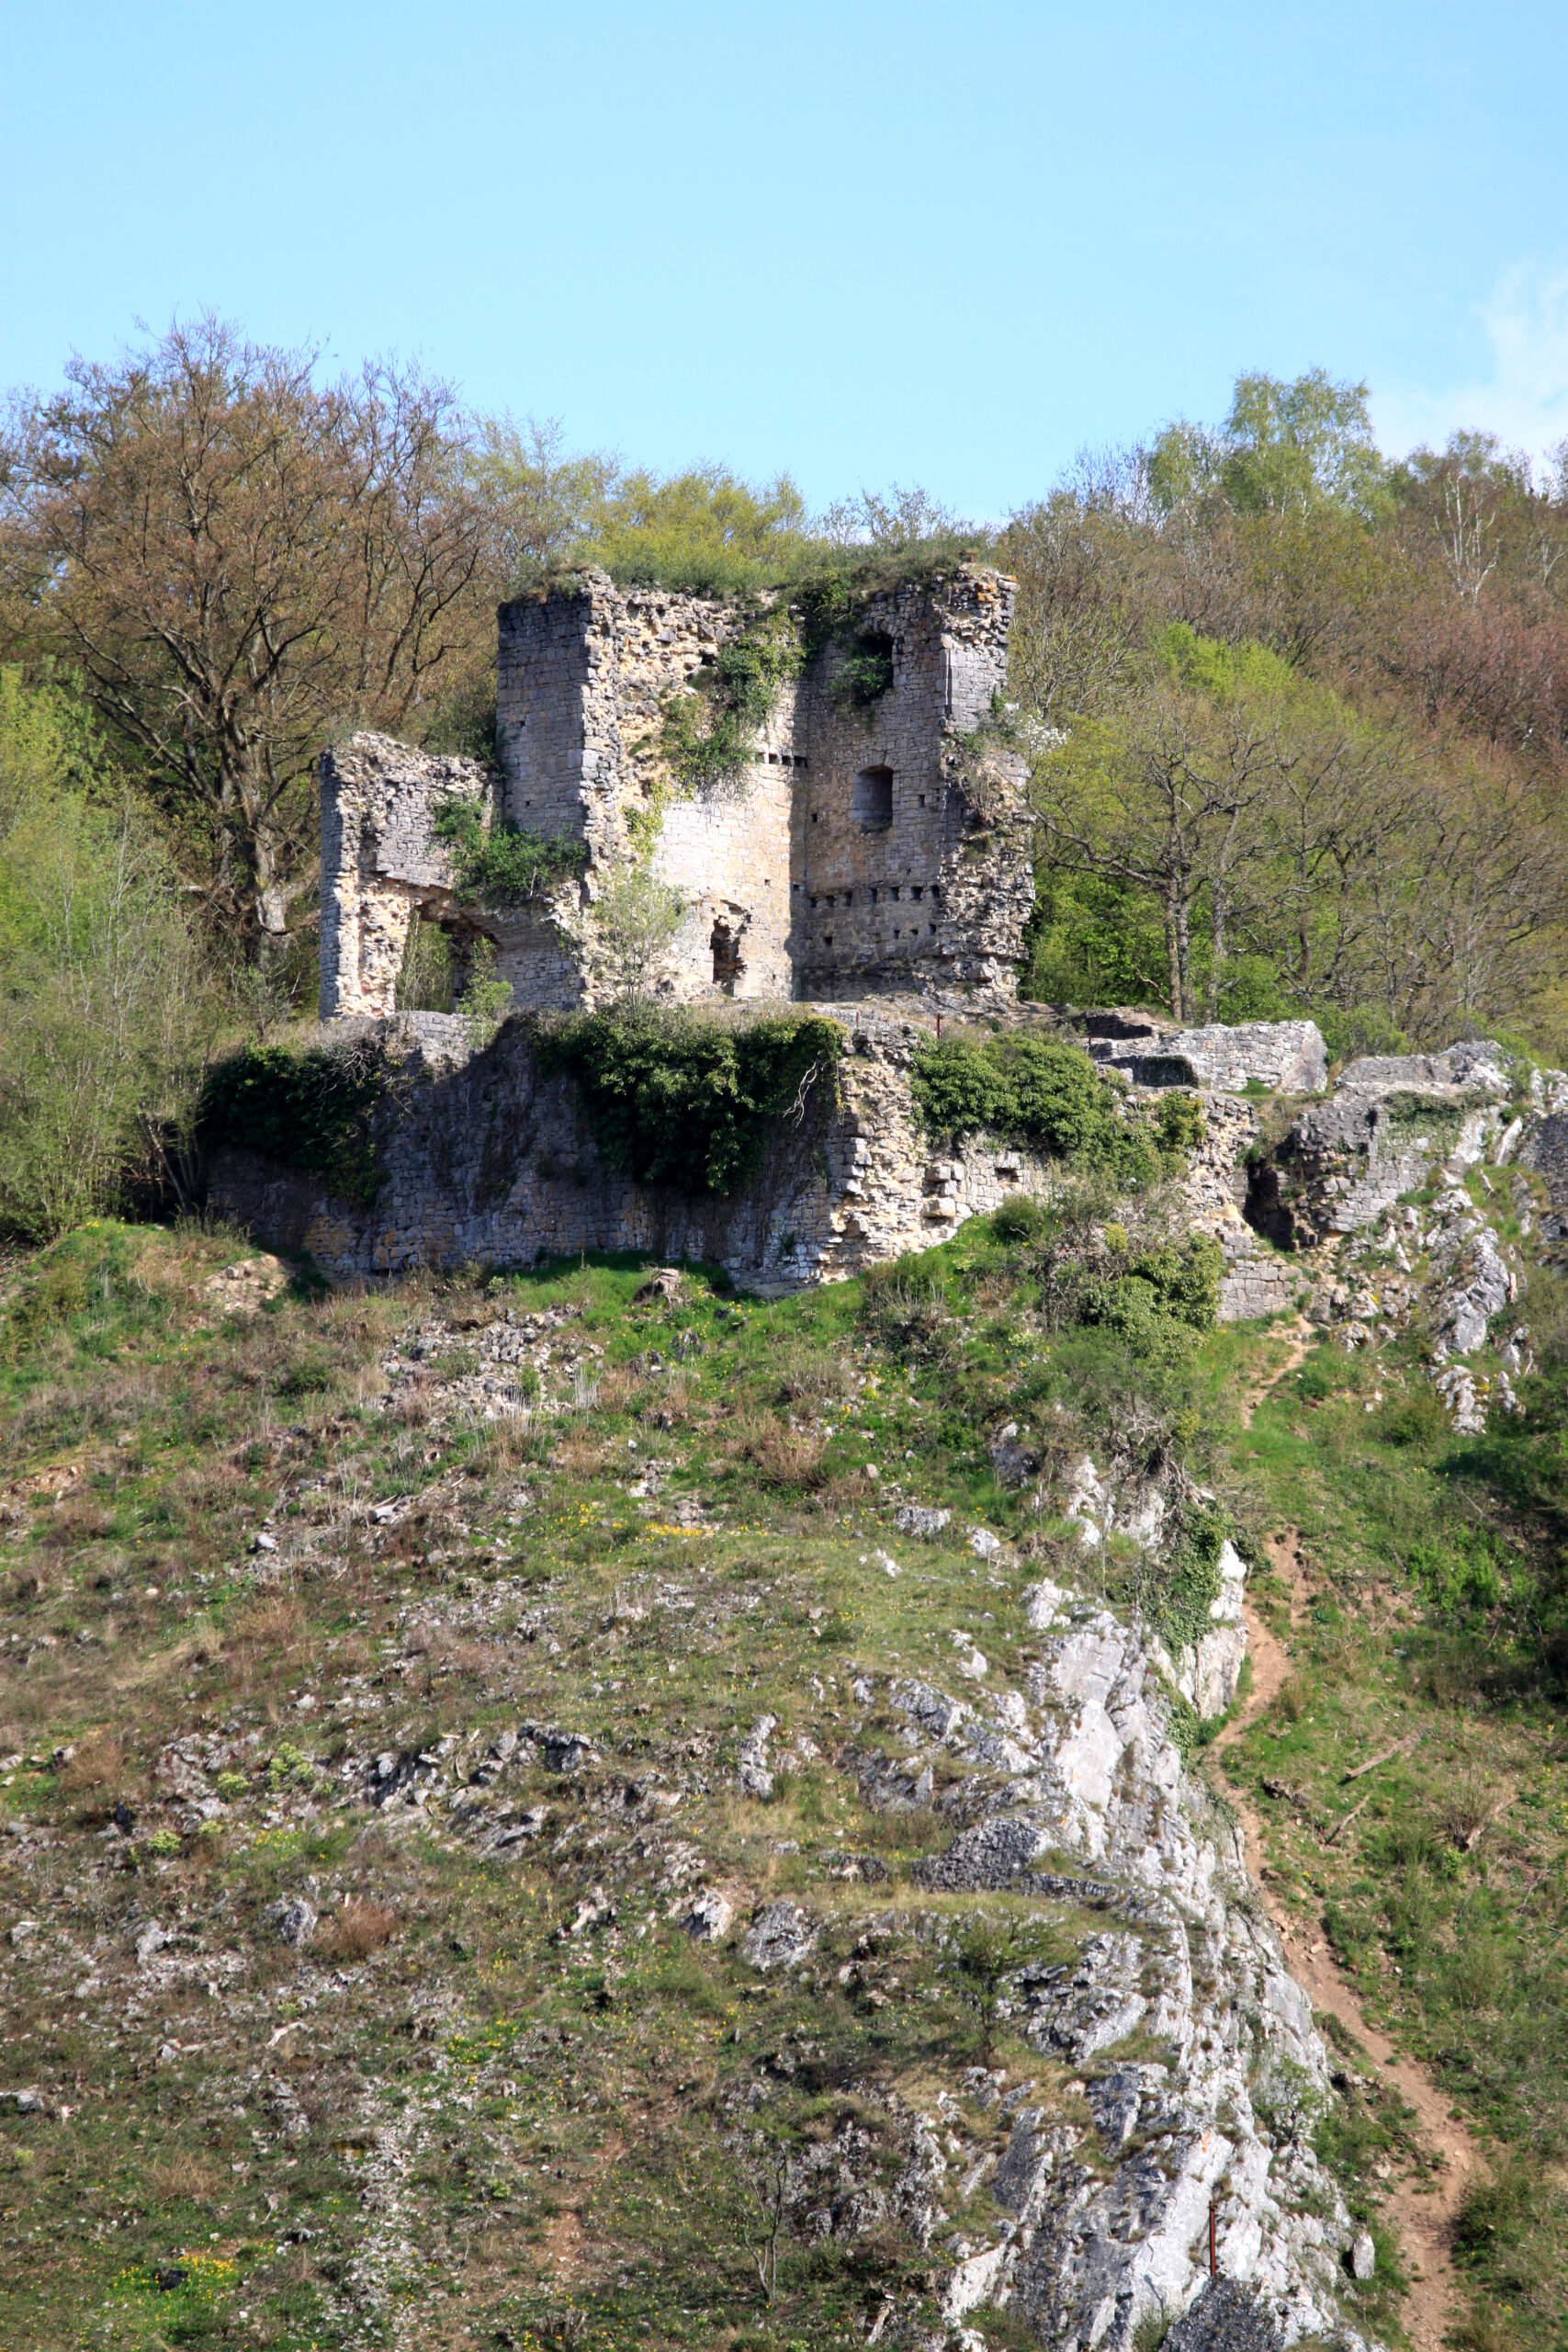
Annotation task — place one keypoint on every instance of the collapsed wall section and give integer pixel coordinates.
(381, 862)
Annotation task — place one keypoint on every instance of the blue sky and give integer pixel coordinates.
(871, 243)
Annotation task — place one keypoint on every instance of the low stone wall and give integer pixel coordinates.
(1545, 1154)
(1286, 1057)
(487, 1159)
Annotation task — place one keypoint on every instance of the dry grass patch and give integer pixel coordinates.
(267, 1630)
(582, 1457)
(779, 1456)
(622, 1389)
(183, 2174)
(809, 1375)
(101, 1775)
(360, 1927)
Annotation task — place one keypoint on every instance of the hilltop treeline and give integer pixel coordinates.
(1296, 716)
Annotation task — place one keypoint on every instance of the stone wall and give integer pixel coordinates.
(488, 1160)
(1286, 1057)
(380, 861)
(860, 851)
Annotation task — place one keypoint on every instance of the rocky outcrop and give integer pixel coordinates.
(1393, 1121)
(1202, 2070)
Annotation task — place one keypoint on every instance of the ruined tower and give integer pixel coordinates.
(875, 842)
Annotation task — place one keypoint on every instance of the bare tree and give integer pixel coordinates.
(769, 2175)
(1466, 925)
(1167, 802)
(241, 561)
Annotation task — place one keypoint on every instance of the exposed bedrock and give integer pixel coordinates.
(1202, 2070)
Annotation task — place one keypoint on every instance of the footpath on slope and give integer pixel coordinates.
(1423, 2215)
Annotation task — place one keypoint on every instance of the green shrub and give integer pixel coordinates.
(1191, 1579)
(959, 1089)
(864, 675)
(1040, 1094)
(506, 865)
(1163, 1300)
(1495, 2213)
(1417, 1418)
(309, 1111)
(1019, 1218)
(678, 1101)
(1178, 1123)
(708, 731)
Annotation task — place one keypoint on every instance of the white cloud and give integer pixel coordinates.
(1524, 399)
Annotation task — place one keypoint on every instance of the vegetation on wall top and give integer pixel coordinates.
(309, 1111)
(672, 1099)
(506, 865)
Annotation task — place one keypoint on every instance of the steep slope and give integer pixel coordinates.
(579, 1808)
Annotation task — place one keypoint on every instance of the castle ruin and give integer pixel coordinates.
(865, 848)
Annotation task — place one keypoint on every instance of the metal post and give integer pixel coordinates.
(1214, 2260)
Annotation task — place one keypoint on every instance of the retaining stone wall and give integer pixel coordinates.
(488, 1160)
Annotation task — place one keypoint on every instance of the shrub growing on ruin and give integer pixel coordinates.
(506, 865)
(678, 1101)
(309, 1111)
(864, 674)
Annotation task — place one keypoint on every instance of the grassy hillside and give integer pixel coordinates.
(291, 1622)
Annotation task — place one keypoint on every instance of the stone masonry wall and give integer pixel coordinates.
(488, 1160)
(380, 861)
(861, 852)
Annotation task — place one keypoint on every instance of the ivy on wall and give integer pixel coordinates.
(674, 1101)
(309, 1111)
(708, 730)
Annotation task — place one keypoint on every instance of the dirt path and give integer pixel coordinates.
(1424, 2213)
(1301, 1336)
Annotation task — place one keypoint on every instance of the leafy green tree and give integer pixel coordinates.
(1283, 448)
(108, 1003)
(624, 934)
(705, 529)
(543, 507)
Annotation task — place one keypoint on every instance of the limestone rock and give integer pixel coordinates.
(1225, 2318)
(780, 1936)
(753, 1771)
(710, 1917)
(920, 1520)
(292, 1919)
